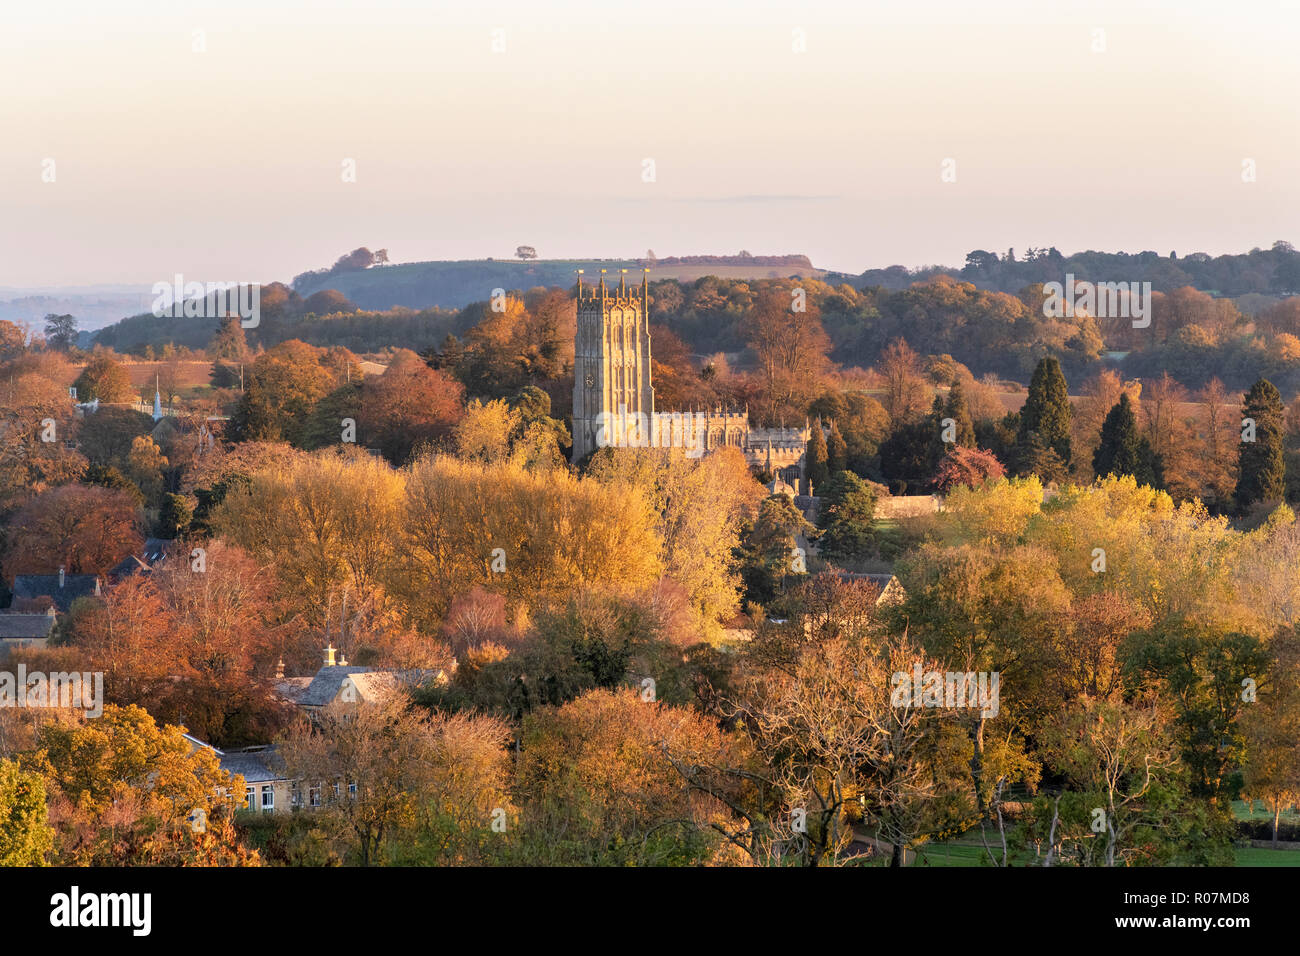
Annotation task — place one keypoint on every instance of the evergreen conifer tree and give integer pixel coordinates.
(1261, 470)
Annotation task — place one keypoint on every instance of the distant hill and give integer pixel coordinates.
(94, 306)
(454, 285)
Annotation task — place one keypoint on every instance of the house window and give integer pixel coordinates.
(338, 791)
(352, 790)
(314, 796)
(268, 798)
(248, 798)
(295, 796)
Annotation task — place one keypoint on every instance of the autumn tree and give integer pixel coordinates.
(701, 505)
(326, 524)
(830, 746)
(29, 403)
(905, 389)
(104, 378)
(145, 464)
(122, 790)
(408, 405)
(967, 466)
(82, 528)
(1271, 726)
(25, 834)
(375, 767)
(792, 348)
(527, 341)
(1201, 670)
(599, 789)
(13, 341)
(283, 386)
(229, 344)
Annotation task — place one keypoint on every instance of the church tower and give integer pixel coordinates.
(611, 363)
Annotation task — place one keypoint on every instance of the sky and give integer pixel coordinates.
(143, 139)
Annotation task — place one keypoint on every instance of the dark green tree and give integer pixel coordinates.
(907, 456)
(1261, 471)
(230, 343)
(448, 356)
(844, 518)
(837, 450)
(766, 551)
(107, 476)
(958, 410)
(174, 516)
(60, 331)
(1122, 451)
(816, 461)
(1046, 414)
(1202, 671)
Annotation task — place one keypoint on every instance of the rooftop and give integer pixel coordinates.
(29, 586)
(26, 626)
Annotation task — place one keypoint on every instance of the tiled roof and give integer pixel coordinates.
(370, 684)
(325, 686)
(155, 551)
(25, 626)
(891, 589)
(292, 688)
(30, 586)
(255, 765)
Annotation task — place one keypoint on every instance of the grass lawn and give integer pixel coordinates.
(952, 854)
(1241, 810)
(965, 854)
(1250, 856)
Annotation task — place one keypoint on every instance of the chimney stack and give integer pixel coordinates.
(329, 656)
(279, 669)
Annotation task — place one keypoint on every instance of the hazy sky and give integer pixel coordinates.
(226, 164)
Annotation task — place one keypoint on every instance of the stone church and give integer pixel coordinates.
(614, 397)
